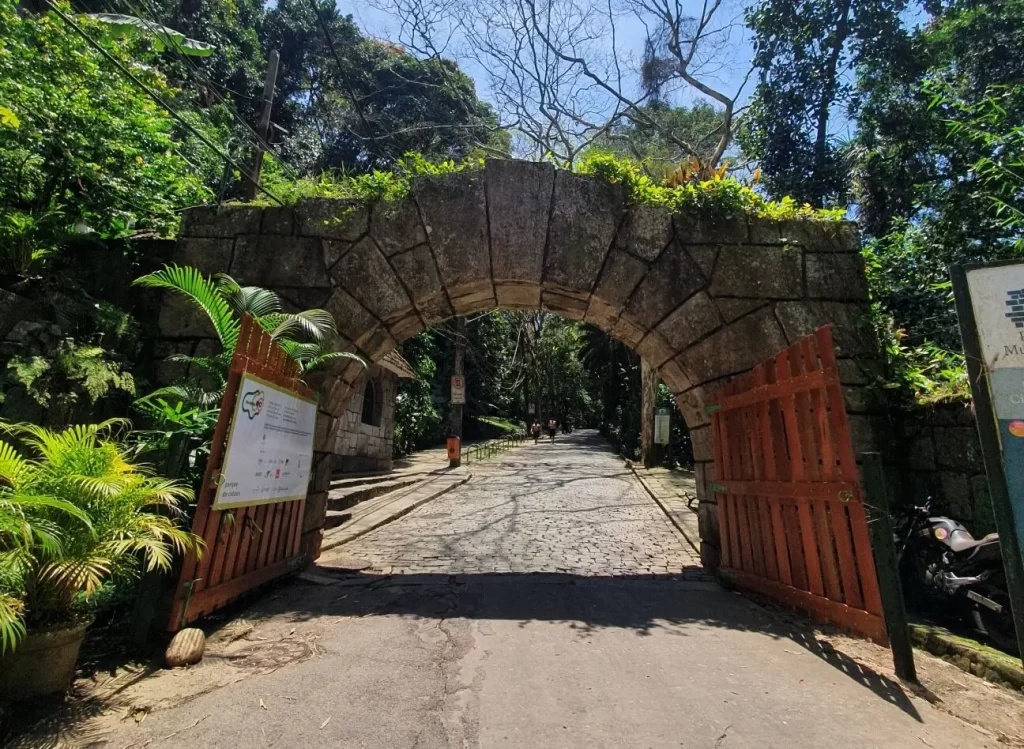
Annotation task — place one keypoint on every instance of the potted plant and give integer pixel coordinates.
(75, 512)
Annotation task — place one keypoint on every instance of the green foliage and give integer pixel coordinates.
(803, 49)
(393, 184)
(91, 152)
(720, 197)
(72, 372)
(657, 155)
(75, 513)
(417, 420)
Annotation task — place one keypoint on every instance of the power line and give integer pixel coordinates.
(159, 100)
(203, 80)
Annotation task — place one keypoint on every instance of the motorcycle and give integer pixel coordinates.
(950, 572)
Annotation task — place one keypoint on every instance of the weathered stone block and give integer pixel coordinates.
(820, 236)
(518, 295)
(628, 331)
(171, 371)
(956, 491)
(454, 211)
(858, 371)
(700, 438)
(863, 400)
(278, 220)
(584, 219)
(736, 347)
(222, 221)
(418, 273)
(655, 350)
(209, 255)
(646, 231)
(619, 279)
(336, 396)
(519, 206)
(476, 299)
(690, 230)
(352, 319)
(959, 449)
(330, 218)
(675, 377)
(869, 434)
(335, 250)
(710, 557)
(705, 255)
(852, 332)
(670, 282)
(921, 453)
(396, 225)
(181, 318)
(323, 435)
(693, 402)
(836, 276)
(734, 309)
(981, 498)
(573, 306)
(279, 261)
(692, 320)
(765, 231)
(758, 272)
(364, 272)
(310, 544)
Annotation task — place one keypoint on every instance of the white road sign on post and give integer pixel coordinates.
(270, 446)
(458, 389)
(662, 421)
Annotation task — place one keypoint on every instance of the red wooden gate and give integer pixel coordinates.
(791, 515)
(245, 547)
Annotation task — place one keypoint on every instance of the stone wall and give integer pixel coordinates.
(942, 459)
(361, 447)
(700, 299)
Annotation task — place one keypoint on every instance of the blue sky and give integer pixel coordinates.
(630, 37)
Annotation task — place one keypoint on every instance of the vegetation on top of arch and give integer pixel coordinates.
(712, 195)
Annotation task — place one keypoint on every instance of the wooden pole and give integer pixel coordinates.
(894, 609)
(264, 125)
(459, 368)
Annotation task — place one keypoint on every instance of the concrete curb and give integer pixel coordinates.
(341, 540)
(694, 543)
(997, 668)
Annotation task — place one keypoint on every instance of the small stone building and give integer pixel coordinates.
(366, 433)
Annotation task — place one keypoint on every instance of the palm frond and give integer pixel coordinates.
(12, 622)
(13, 467)
(203, 292)
(255, 300)
(311, 324)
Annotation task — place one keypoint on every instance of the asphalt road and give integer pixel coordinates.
(546, 603)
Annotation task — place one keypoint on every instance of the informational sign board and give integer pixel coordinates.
(662, 422)
(270, 447)
(458, 389)
(990, 305)
(531, 409)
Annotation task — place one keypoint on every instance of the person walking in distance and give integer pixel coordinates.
(552, 428)
(535, 431)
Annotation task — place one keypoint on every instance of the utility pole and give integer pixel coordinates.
(459, 369)
(264, 126)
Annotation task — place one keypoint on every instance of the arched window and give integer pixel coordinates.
(373, 404)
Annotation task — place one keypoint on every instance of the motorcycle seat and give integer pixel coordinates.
(964, 541)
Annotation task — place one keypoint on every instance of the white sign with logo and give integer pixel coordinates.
(458, 389)
(270, 446)
(997, 296)
(662, 421)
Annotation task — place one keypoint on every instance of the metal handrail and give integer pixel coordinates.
(493, 447)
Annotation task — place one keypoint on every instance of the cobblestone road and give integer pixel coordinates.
(568, 507)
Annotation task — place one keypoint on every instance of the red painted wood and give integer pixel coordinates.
(792, 521)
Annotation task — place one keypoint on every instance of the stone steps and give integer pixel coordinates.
(352, 492)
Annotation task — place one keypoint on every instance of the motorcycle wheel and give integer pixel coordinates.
(998, 627)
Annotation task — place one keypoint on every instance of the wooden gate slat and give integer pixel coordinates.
(812, 564)
(792, 520)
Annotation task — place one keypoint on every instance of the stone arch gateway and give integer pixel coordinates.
(699, 300)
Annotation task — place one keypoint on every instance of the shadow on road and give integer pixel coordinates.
(643, 604)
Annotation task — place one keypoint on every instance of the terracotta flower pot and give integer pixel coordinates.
(43, 663)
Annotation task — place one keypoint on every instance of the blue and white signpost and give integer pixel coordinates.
(990, 305)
